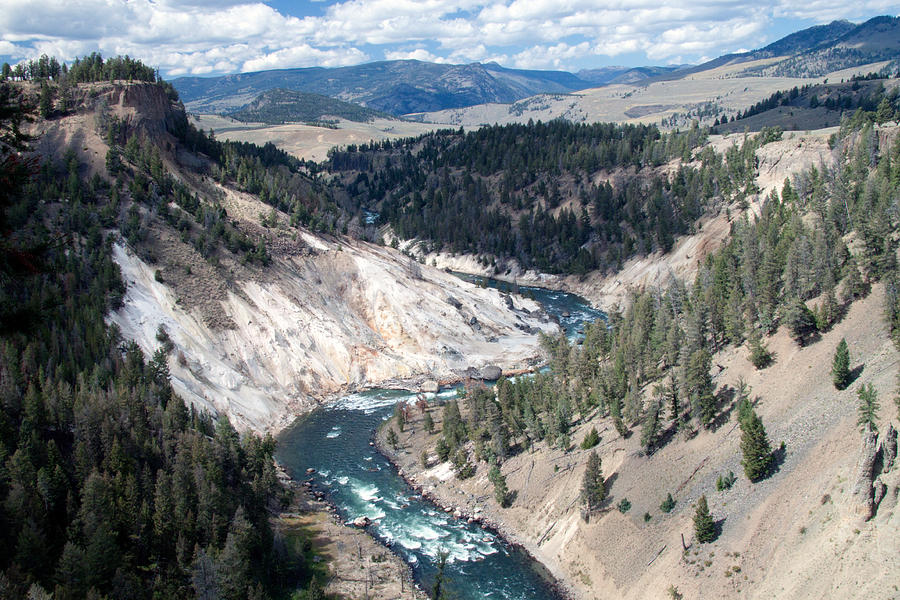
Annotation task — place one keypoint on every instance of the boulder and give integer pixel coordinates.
(361, 522)
(454, 302)
(430, 386)
(491, 372)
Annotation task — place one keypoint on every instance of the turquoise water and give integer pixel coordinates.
(335, 441)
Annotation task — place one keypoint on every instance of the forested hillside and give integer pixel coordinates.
(556, 197)
(280, 106)
(110, 486)
(819, 106)
(766, 274)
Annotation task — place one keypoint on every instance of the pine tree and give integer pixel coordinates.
(755, 447)
(668, 504)
(800, 320)
(437, 588)
(868, 407)
(650, 428)
(428, 423)
(400, 415)
(392, 438)
(759, 354)
(501, 491)
(593, 488)
(704, 526)
(700, 387)
(840, 366)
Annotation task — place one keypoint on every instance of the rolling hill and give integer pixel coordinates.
(282, 106)
(396, 87)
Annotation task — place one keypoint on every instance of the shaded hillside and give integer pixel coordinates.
(876, 40)
(800, 47)
(282, 106)
(555, 197)
(805, 39)
(819, 106)
(110, 485)
(396, 87)
(610, 75)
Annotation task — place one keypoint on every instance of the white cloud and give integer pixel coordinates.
(417, 54)
(212, 36)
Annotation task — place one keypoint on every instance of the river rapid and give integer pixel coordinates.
(335, 441)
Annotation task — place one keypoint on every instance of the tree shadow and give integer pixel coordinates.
(809, 339)
(664, 438)
(511, 498)
(854, 374)
(725, 397)
(608, 483)
(719, 525)
(777, 459)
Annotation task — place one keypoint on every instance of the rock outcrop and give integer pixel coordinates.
(862, 495)
(889, 449)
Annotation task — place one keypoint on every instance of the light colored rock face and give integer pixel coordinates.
(344, 317)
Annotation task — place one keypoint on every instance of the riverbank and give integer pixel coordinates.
(469, 507)
(793, 534)
(358, 565)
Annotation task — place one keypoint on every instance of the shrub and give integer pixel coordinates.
(668, 504)
(591, 439)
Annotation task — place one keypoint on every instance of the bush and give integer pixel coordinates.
(668, 504)
(591, 439)
(442, 448)
(624, 505)
(725, 483)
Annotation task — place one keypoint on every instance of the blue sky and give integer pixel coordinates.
(208, 37)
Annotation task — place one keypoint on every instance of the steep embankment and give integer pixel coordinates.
(797, 534)
(263, 343)
(775, 162)
(338, 317)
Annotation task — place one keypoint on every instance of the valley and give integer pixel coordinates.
(393, 339)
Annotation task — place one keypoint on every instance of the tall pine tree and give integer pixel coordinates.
(755, 447)
(840, 366)
(704, 526)
(593, 488)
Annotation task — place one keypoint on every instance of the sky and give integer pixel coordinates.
(208, 37)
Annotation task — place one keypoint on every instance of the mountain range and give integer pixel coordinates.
(402, 87)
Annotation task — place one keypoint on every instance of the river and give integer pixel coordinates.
(335, 441)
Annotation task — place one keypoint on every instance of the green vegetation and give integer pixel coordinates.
(704, 526)
(623, 506)
(591, 439)
(840, 366)
(392, 440)
(593, 487)
(504, 191)
(868, 407)
(281, 106)
(501, 491)
(725, 483)
(82, 70)
(668, 504)
(755, 447)
(109, 485)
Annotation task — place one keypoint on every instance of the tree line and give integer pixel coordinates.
(528, 193)
(110, 486)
